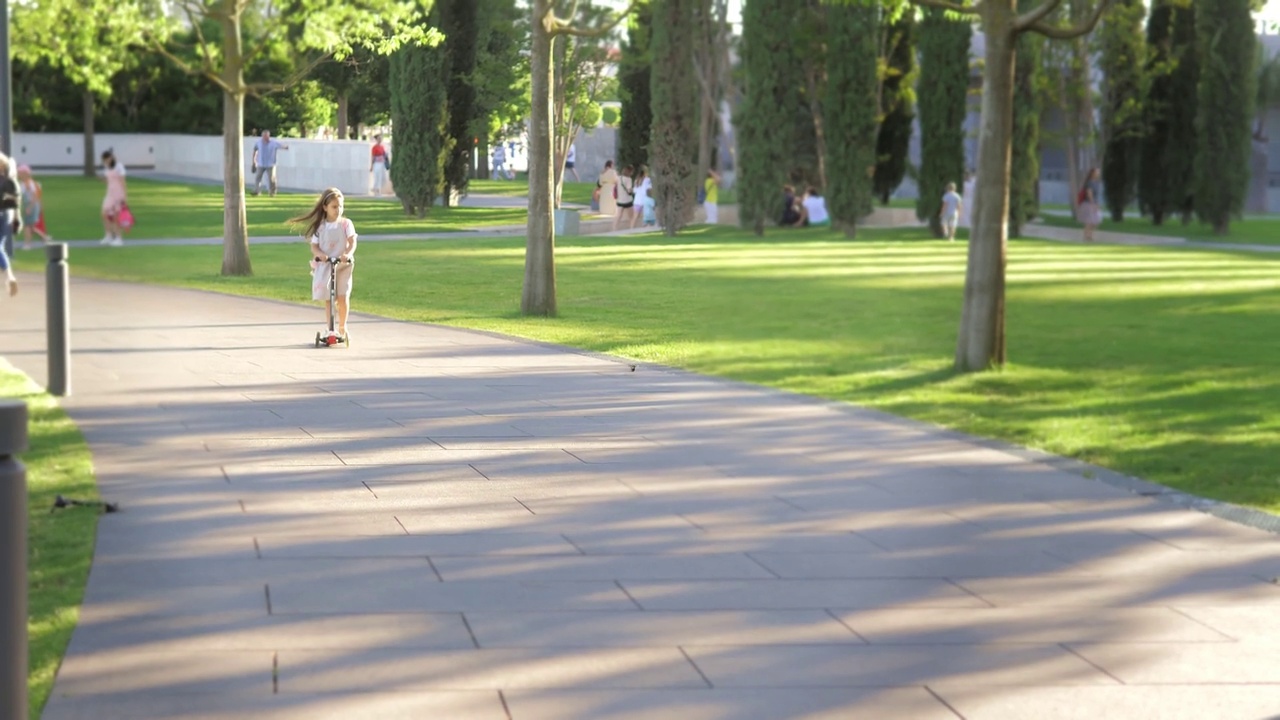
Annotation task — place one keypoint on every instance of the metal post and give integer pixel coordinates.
(13, 561)
(6, 83)
(58, 319)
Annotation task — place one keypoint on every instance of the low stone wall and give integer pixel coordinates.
(308, 165)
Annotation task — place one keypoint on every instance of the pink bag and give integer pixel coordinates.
(125, 217)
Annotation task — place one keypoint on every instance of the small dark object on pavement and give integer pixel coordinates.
(61, 502)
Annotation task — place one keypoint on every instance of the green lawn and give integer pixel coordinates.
(60, 544)
(1155, 362)
(179, 210)
(1252, 231)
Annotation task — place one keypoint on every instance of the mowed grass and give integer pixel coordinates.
(180, 210)
(1155, 362)
(1250, 231)
(60, 545)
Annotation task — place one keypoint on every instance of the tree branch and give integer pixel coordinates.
(562, 27)
(1071, 31)
(188, 69)
(1035, 15)
(947, 5)
(293, 79)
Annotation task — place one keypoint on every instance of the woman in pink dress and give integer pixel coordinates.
(114, 201)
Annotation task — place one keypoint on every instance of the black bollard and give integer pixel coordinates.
(13, 561)
(58, 319)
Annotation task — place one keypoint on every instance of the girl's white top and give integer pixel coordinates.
(331, 237)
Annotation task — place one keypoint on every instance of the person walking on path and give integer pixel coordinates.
(379, 164)
(10, 198)
(113, 203)
(264, 162)
(643, 185)
(331, 236)
(32, 207)
(1088, 209)
(499, 162)
(606, 184)
(950, 212)
(7, 267)
(626, 199)
(570, 160)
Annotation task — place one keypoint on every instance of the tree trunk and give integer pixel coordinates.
(981, 342)
(90, 157)
(235, 230)
(343, 115)
(539, 295)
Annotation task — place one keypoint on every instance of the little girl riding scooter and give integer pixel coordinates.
(332, 236)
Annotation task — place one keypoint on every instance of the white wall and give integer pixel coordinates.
(308, 165)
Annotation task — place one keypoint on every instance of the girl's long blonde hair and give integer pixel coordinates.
(311, 220)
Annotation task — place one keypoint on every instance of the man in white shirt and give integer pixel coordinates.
(815, 209)
(950, 212)
(264, 162)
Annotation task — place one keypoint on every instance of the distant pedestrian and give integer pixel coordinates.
(1088, 207)
(711, 196)
(949, 212)
(10, 199)
(331, 236)
(114, 203)
(379, 164)
(6, 266)
(264, 162)
(626, 198)
(499, 162)
(643, 191)
(32, 207)
(607, 184)
(570, 160)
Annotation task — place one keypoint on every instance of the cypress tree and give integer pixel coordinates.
(1167, 151)
(419, 112)
(897, 90)
(1024, 174)
(1122, 62)
(633, 86)
(766, 118)
(1227, 92)
(849, 112)
(943, 91)
(460, 23)
(675, 113)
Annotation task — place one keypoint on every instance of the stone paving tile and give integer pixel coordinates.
(599, 567)
(728, 704)
(693, 540)
(231, 630)
(982, 626)
(1184, 664)
(1165, 702)
(835, 666)
(471, 705)
(241, 672)
(657, 628)
(955, 562)
(418, 670)
(1259, 624)
(407, 594)
(797, 594)
(472, 543)
(1070, 590)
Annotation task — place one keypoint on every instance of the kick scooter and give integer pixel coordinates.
(332, 337)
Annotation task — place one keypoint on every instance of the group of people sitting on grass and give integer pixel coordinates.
(803, 210)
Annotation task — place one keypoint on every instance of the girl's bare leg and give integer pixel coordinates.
(343, 309)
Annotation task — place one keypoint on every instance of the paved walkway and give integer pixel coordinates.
(447, 524)
(1073, 234)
